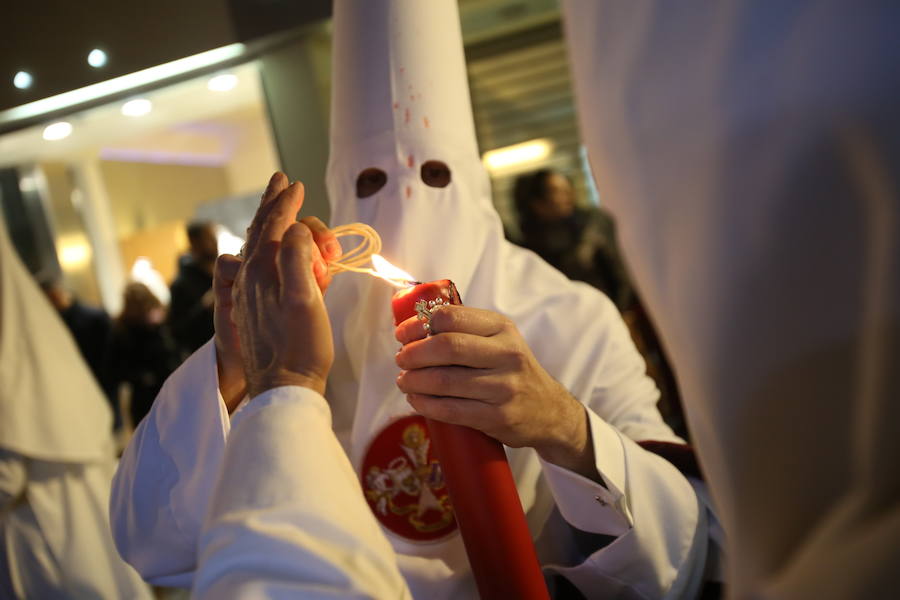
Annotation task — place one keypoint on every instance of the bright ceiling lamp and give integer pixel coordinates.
(57, 131)
(23, 80)
(124, 83)
(137, 107)
(517, 156)
(223, 82)
(97, 58)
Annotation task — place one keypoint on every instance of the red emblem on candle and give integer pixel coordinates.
(404, 483)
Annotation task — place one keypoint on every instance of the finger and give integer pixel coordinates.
(456, 411)
(277, 184)
(459, 382)
(325, 240)
(298, 283)
(320, 269)
(450, 318)
(282, 215)
(447, 349)
(227, 267)
(226, 270)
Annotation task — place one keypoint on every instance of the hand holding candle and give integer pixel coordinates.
(482, 489)
(477, 370)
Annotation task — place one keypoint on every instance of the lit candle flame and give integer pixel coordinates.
(393, 275)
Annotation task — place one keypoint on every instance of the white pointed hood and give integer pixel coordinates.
(51, 407)
(400, 98)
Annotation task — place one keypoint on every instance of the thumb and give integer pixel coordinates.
(227, 266)
(295, 256)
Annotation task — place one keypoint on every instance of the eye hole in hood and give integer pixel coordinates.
(435, 173)
(369, 181)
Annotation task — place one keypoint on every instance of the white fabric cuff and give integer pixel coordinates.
(585, 504)
(290, 394)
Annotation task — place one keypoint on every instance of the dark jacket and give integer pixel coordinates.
(143, 356)
(190, 322)
(90, 327)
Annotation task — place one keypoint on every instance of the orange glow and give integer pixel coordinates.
(393, 275)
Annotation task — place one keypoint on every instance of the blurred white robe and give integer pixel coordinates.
(56, 456)
(751, 153)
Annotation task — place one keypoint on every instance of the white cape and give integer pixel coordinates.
(56, 455)
(750, 150)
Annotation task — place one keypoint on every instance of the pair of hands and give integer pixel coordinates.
(271, 326)
(272, 330)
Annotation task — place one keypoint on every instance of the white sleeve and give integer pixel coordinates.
(285, 522)
(166, 475)
(645, 503)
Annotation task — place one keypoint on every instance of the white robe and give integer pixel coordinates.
(269, 534)
(751, 152)
(56, 456)
(161, 494)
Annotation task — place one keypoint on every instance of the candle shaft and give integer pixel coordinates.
(482, 489)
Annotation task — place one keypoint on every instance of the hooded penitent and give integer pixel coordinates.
(402, 136)
(401, 119)
(56, 455)
(51, 407)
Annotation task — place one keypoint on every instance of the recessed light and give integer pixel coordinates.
(96, 58)
(57, 131)
(23, 80)
(137, 107)
(223, 82)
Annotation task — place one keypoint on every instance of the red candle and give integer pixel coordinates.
(481, 486)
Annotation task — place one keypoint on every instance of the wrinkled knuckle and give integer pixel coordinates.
(299, 300)
(446, 411)
(509, 326)
(505, 417)
(454, 345)
(517, 357)
(444, 320)
(507, 388)
(440, 378)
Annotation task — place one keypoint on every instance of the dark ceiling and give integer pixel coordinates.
(51, 39)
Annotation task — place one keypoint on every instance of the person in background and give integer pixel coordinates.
(90, 326)
(141, 351)
(191, 310)
(581, 243)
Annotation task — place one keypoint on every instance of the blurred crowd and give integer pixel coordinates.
(133, 353)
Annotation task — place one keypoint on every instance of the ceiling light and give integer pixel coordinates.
(57, 131)
(121, 84)
(23, 80)
(137, 107)
(518, 155)
(223, 82)
(97, 58)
